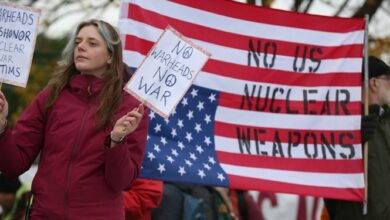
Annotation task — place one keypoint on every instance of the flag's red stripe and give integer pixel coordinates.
(235, 40)
(136, 44)
(217, 67)
(246, 183)
(292, 164)
(285, 135)
(267, 104)
(284, 18)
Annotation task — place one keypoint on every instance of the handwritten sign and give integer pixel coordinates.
(18, 30)
(167, 72)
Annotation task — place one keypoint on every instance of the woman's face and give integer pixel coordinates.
(90, 54)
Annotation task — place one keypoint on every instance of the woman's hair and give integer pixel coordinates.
(111, 94)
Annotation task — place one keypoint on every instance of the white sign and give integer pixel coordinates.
(18, 30)
(167, 72)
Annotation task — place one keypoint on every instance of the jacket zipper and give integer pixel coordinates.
(73, 156)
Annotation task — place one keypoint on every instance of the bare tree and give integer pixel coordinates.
(297, 5)
(56, 10)
(341, 8)
(369, 7)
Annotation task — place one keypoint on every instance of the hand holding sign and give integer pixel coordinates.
(3, 111)
(167, 72)
(127, 123)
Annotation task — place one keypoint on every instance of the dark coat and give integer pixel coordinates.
(378, 206)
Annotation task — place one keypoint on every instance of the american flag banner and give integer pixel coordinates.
(276, 108)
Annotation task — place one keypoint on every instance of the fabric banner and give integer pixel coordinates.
(276, 108)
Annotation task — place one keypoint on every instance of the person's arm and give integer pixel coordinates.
(369, 126)
(20, 146)
(143, 195)
(123, 159)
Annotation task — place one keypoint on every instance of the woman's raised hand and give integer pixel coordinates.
(127, 123)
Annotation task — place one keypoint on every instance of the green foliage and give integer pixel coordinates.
(46, 54)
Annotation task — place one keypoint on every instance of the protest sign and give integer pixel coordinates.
(18, 30)
(167, 72)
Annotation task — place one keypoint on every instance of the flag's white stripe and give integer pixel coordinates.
(231, 145)
(335, 180)
(237, 86)
(250, 28)
(287, 121)
(139, 29)
(240, 57)
(132, 58)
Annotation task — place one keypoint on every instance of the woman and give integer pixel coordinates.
(90, 133)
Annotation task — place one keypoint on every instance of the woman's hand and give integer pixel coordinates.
(127, 123)
(3, 111)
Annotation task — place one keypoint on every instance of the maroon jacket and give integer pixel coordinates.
(78, 177)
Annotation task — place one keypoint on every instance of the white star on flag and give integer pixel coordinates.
(173, 133)
(190, 115)
(198, 128)
(157, 128)
(152, 115)
(211, 160)
(201, 174)
(180, 123)
(151, 156)
(174, 152)
(170, 159)
(188, 136)
(163, 141)
(199, 149)
(200, 106)
(182, 171)
(212, 97)
(221, 177)
(207, 140)
(188, 163)
(184, 102)
(180, 145)
(194, 93)
(192, 156)
(161, 167)
(157, 148)
(207, 119)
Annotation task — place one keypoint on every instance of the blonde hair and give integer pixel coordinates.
(111, 94)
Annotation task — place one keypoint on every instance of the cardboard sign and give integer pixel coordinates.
(167, 72)
(18, 30)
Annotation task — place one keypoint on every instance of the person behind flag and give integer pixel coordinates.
(13, 198)
(375, 130)
(91, 134)
(185, 201)
(142, 196)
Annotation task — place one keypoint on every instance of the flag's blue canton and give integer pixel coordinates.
(182, 147)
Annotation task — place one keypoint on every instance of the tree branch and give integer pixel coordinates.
(342, 7)
(308, 6)
(296, 5)
(369, 7)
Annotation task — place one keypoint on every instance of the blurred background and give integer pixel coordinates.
(59, 17)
